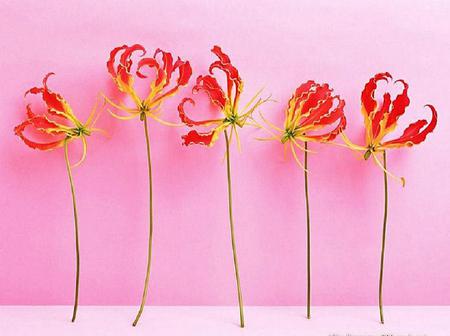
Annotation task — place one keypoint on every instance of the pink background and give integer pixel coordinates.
(276, 44)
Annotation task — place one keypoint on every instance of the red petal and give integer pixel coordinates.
(185, 119)
(367, 96)
(379, 115)
(110, 65)
(193, 137)
(230, 70)
(414, 134)
(334, 115)
(151, 63)
(41, 122)
(54, 101)
(211, 87)
(167, 65)
(330, 136)
(125, 59)
(300, 94)
(314, 99)
(185, 72)
(399, 105)
(19, 129)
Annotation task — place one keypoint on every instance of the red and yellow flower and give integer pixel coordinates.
(380, 119)
(120, 68)
(226, 100)
(58, 122)
(313, 114)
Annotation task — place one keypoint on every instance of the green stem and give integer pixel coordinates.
(149, 256)
(77, 242)
(308, 239)
(380, 287)
(233, 243)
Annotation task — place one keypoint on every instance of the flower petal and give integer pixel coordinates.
(414, 133)
(56, 104)
(368, 100)
(210, 85)
(151, 63)
(110, 65)
(19, 130)
(224, 64)
(189, 122)
(194, 137)
(167, 65)
(398, 106)
(380, 114)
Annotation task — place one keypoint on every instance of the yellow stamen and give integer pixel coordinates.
(295, 156)
(377, 161)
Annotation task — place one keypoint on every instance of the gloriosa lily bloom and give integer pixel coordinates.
(227, 101)
(60, 123)
(380, 119)
(313, 114)
(148, 107)
(159, 89)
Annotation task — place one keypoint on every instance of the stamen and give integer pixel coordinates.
(296, 157)
(400, 179)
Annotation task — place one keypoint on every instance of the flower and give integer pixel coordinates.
(164, 66)
(313, 114)
(227, 101)
(380, 119)
(59, 122)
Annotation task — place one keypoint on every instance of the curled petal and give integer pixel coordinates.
(55, 102)
(168, 65)
(19, 129)
(314, 99)
(43, 124)
(380, 114)
(185, 72)
(297, 98)
(415, 133)
(125, 58)
(224, 64)
(110, 65)
(212, 88)
(194, 137)
(330, 136)
(151, 63)
(186, 120)
(334, 115)
(398, 106)
(368, 95)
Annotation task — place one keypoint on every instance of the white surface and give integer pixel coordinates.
(213, 321)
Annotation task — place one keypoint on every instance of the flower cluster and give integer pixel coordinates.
(58, 123)
(119, 67)
(226, 100)
(313, 114)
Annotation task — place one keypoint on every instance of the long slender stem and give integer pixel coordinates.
(380, 287)
(77, 242)
(233, 243)
(308, 239)
(149, 256)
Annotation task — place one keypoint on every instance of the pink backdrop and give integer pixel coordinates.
(276, 44)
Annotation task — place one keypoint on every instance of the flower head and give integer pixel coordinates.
(313, 114)
(58, 123)
(160, 87)
(227, 100)
(380, 119)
